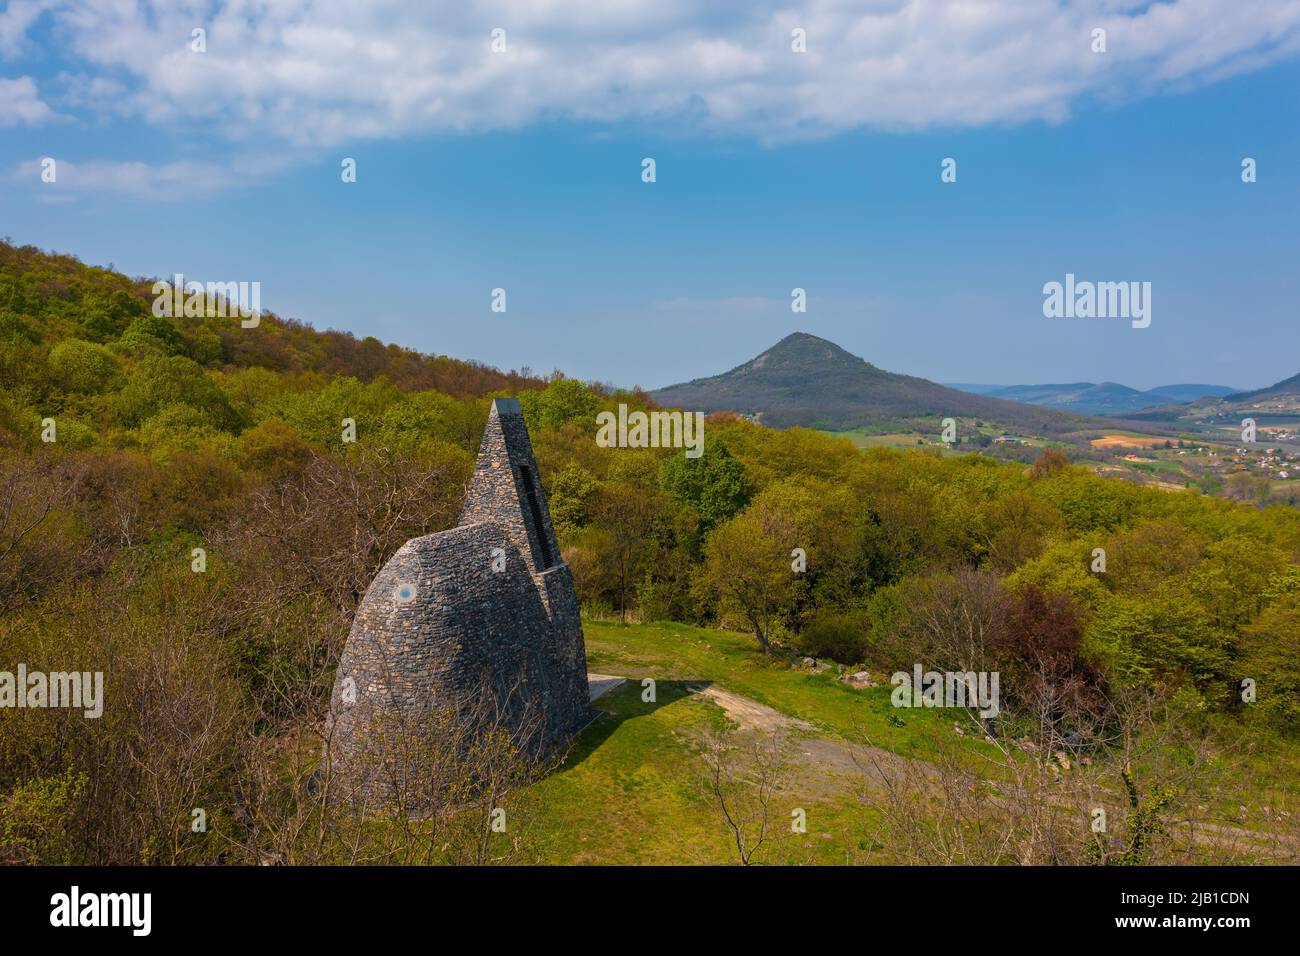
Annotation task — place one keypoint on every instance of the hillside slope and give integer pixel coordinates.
(1285, 389)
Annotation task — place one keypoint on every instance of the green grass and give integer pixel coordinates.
(865, 439)
(1173, 466)
(679, 652)
(632, 790)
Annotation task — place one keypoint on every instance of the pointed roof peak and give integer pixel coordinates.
(505, 489)
(506, 406)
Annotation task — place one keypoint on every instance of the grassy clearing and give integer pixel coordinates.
(632, 792)
(633, 789)
(679, 652)
(864, 439)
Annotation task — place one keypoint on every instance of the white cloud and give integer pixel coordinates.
(320, 72)
(20, 103)
(180, 180)
(15, 20)
(98, 93)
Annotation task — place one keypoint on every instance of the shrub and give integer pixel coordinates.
(13, 329)
(34, 819)
(85, 368)
(150, 333)
(841, 637)
(160, 381)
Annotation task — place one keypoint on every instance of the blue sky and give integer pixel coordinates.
(518, 174)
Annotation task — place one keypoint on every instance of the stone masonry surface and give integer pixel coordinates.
(440, 628)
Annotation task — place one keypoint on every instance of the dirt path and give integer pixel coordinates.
(748, 714)
(829, 765)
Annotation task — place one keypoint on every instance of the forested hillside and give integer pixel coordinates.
(46, 299)
(202, 528)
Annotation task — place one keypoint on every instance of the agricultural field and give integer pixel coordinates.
(864, 439)
(1122, 440)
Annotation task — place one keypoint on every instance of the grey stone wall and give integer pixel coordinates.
(439, 627)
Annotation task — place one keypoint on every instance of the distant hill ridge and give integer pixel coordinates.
(1279, 401)
(1106, 398)
(1286, 387)
(807, 380)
